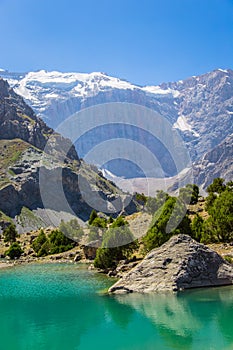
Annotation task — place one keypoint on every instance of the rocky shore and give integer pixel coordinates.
(181, 263)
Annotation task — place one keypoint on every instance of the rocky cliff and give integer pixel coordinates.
(181, 263)
(216, 163)
(200, 108)
(35, 162)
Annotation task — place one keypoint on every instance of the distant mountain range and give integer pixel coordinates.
(199, 108)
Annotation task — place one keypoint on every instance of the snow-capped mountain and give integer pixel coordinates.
(44, 90)
(200, 108)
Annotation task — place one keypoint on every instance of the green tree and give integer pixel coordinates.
(59, 242)
(45, 249)
(209, 201)
(219, 226)
(170, 219)
(97, 227)
(189, 194)
(39, 241)
(141, 198)
(71, 229)
(10, 234)
(197, 228)
(93, 234)
(217, 186)
(154, 203)
(93, 216)
(99, 222)
(229, 186)
(14, 251)
(104, 258)
(118, 243)
(55, 242)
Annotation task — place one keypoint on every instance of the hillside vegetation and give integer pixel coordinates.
(208, 220)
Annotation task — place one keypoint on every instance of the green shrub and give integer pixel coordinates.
(93, 234)
(45, 249)
(170, 219)
(10, 234)
(228, 259)
(219, 226)
(55, 242)
(104, 258)
(189, 194)
(39, 241)
(210, 201)
(118, 243)
(14, 251)
(59, 242)
(93, 215)
(197, 228)
(99, 222)
(154, 203)
(71, 229)
(141, 198)
(217, 186)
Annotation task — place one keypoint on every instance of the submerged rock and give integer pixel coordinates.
(181, 263)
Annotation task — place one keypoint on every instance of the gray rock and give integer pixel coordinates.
(90, 249)
(218, 162)
(181, 263)
(78, 257)
(35, 168)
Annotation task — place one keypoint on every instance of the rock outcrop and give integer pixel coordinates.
(34, 160)
(216, 163)
(181, 263)
(18, 121)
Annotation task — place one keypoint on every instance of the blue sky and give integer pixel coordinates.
(143, 41)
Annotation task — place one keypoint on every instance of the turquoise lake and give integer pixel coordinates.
(60, 306)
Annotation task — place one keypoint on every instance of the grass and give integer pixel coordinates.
(10, 152)
(4, 217)
(228, 259)
(3, 183)
(28, 218)
(11, 172)
(24, 116)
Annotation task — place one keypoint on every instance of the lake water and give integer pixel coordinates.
(61, 306)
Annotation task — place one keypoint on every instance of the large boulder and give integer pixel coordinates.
(181, 263)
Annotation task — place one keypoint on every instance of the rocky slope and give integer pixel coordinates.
(35, 162)
(17, 120)
(181, 263)
(216, 163)
(200, 108)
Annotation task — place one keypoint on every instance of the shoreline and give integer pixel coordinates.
(46, 260)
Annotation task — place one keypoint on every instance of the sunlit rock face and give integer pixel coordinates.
(199, 108)
(181, 263)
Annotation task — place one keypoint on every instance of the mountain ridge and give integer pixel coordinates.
(199, 108)
(35, 159)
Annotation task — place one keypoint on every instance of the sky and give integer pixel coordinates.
(146, 42)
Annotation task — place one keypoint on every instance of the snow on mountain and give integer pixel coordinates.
(42, 89)
(200, 108)
(157, 90)
(183, 125)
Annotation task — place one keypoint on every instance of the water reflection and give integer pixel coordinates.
(58, 307)
(190, 318)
